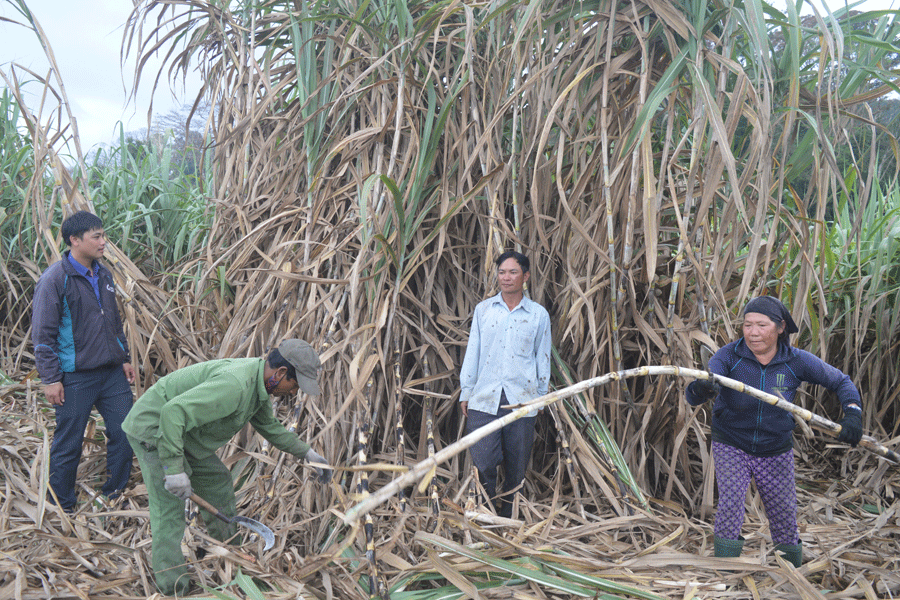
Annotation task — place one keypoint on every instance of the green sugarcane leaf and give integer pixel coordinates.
(598, 582)
(525, 572)
(249, 586)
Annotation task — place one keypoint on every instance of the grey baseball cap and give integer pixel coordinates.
(306, 363)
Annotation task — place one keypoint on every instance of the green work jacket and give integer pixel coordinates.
(197, 409)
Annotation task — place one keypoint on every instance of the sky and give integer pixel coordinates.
(86, 38)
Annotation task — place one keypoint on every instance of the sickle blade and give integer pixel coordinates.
(259, 528)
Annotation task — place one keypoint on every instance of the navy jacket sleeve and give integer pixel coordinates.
(45, 319)
(817, 371)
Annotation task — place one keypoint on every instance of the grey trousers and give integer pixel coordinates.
(509, 446)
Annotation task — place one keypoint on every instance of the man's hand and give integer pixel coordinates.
(55, 393)
(179, 485)
(323, 473)
(129, 372)
(464, 405)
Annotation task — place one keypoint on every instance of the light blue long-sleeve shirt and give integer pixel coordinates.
(507, 350)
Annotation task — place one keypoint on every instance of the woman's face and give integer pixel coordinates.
(761, 334)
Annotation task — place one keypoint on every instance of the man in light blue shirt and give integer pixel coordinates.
(507, 362)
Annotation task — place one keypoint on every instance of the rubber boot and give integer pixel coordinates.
(793, 553)
(727, 548)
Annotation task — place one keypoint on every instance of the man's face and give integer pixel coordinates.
(286, 386)
(90, 246)
(511, 277)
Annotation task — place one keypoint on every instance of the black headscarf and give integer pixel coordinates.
(777, 312)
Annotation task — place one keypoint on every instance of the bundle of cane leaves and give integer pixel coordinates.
(538, 572)
(247, 585)
(595, 431)
(451, 592)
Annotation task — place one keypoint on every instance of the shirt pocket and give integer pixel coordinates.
(523, 340)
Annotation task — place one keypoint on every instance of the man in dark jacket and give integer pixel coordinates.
(82, 357)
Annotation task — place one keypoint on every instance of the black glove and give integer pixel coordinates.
(851, 427)
(706, 389)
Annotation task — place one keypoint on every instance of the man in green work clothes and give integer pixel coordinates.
(179, 423)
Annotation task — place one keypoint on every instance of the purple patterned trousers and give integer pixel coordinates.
(774, 477)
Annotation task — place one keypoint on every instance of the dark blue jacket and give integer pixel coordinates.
(758, 428)
(69, 329)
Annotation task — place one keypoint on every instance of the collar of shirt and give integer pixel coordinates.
(93, 276)
(261, 380)
(524, 303)
(82, 270)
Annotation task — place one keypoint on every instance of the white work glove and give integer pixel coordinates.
(179, 484)
(324, 473)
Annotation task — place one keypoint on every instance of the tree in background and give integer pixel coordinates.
(186, 131)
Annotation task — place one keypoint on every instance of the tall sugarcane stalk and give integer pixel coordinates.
(701, 305)
(677, 276)
(522, 410)
(398, 409)
(472, 489)
(609, 177)
(434, 499)
(375, 584)
(567, 457)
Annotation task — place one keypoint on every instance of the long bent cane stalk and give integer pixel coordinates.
(819, 422)
(422, 468)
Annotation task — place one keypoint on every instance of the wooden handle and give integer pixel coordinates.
(209, 507)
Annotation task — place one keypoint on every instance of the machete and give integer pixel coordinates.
(251, 524)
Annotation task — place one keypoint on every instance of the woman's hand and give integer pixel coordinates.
(706, 389)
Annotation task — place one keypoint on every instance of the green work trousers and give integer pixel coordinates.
(211, 480)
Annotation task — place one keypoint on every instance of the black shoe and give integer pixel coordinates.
(69, 510)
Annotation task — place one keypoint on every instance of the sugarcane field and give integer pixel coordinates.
(643, 256)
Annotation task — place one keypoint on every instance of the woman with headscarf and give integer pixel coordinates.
(754, 440)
